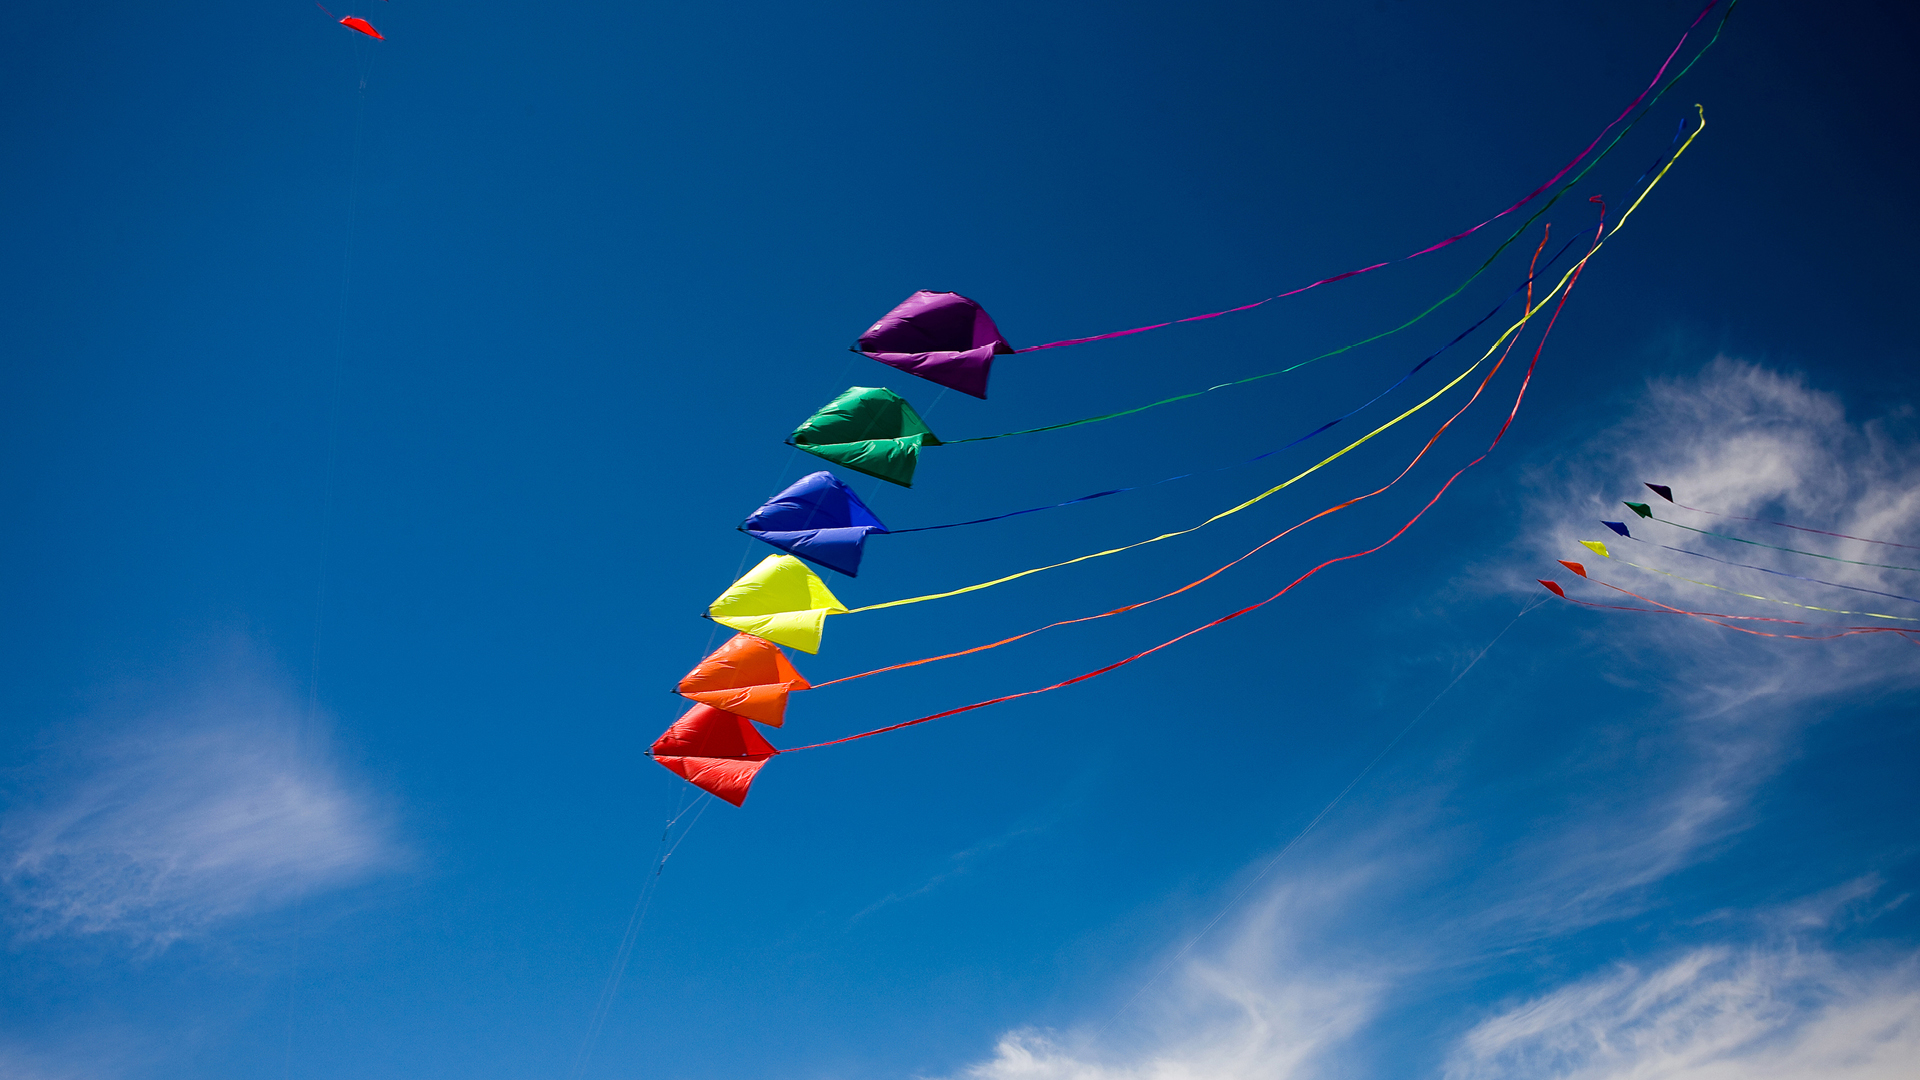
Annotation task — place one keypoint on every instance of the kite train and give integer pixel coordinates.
(950, 339)
(1645, 512)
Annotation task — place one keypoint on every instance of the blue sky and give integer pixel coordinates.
(379, 414)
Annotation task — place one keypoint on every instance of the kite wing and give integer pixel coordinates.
(748, 676)
(780, 600)
(354, 22)
(868, 429)
(819, 519)
(942, 337)
(715, 751)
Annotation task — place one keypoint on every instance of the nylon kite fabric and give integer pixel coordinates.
(870, 430)
(942, 337)
(715, 751)
(747, 676)
(819, 519)
(780, 600)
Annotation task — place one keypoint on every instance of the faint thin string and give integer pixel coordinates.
(1317, 818)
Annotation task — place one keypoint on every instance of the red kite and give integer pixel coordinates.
(354, 22)
(715, 751)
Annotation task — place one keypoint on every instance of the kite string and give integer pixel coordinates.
(1436, 305)
(1766, 599)
(631, 936)
(1431, 440)
(1776, 573)
(328, 491)
(1530, 196)
(1274, 861)
(1785, 525)
(1260, 604)
(1776, 547)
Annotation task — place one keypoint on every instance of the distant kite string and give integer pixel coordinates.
(1666, 493)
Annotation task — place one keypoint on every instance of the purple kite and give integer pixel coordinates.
(942, 337)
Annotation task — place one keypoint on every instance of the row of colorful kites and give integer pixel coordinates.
(1889, 623)
(950, 340)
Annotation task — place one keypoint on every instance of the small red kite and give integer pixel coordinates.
(355, 22)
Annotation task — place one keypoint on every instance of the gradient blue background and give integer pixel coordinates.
(600, 258)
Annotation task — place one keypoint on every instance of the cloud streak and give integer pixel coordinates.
(194, 815)
(1451, 881)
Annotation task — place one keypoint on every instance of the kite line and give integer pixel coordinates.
(1666, 493)
(1643, 510)
(1768, 570)
(1600, 549)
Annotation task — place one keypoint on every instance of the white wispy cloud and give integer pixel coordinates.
(1266, 1005)
(223, 805)
(1788, 1010)
(1738, 439)
(1292, 991)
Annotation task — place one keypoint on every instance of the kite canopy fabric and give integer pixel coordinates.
(942, 337)
(748, 676)
(354, 22)
(870, 430)
(780, 600)
(819, 519)
(715, 751)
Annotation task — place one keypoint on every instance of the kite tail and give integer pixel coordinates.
(1401, 531)
(1455, 238)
